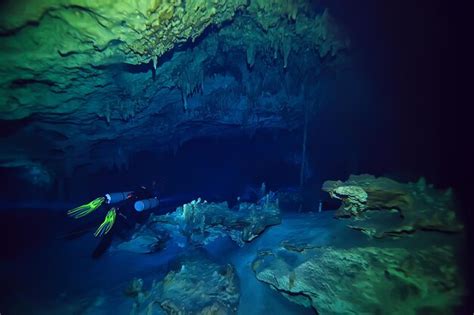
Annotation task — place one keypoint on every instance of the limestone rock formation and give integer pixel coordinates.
(74, 74)
(373, 201)
(198, 287)
(202, 222)
(364, 280)
(354, 198)
(145, 241)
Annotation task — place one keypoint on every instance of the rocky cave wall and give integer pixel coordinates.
(86, 84)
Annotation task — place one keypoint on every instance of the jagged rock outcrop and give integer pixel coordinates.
(84, 85)
(353, 197)
(202, 222)
(364, 280)
(376, 202)
(198, 287)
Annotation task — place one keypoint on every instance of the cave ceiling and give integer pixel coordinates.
(89, 83)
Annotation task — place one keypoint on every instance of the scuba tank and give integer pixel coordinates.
(146, 204)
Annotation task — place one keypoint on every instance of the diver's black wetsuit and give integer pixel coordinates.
(126, 218)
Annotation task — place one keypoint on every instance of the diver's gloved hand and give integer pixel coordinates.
(84, 210)
(109, 221)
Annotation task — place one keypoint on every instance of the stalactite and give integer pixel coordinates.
(190, 80)
(107, 113)
(275, 49)
(251, 55)
(185, 100)
(303, 153)
(286, 49)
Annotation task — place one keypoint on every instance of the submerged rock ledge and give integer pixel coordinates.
(371, 202)
(364, 280)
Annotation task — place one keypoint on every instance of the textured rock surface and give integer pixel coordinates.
(144, 241)
(354, 198)
(420, 206)
(365, 280)
(203, 222)
(110, 278)
(85, 84)
(198, 287)
(200, 223)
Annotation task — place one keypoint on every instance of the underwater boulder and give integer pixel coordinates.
(143, 244)
(354, 198)
(363, 280)
(198, 287)
(382, 206)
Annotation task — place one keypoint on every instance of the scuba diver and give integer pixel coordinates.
(127, 205)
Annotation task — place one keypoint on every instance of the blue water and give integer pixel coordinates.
(60, 274)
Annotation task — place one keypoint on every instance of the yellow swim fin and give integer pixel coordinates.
(109, 221)
(84, 210)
